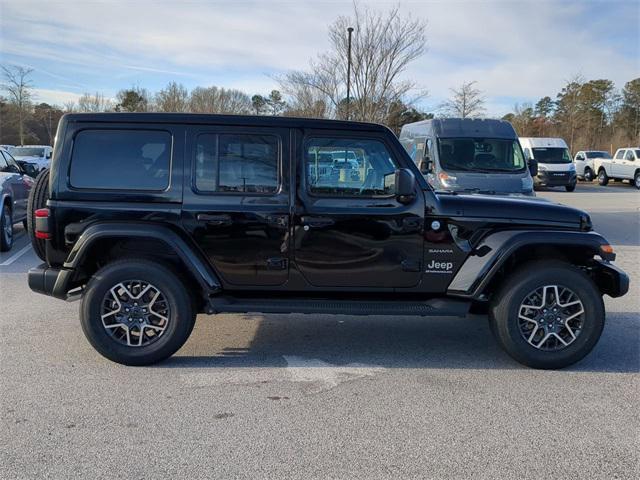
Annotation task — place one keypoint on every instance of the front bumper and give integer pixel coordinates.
(555, 179)
(51, 281)
(610, 279)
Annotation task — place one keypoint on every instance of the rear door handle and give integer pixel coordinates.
(317, 222)
(212, 219)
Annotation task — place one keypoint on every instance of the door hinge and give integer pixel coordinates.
(412, 223)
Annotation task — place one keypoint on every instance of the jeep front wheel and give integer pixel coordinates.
(136, 312)
(548, 315)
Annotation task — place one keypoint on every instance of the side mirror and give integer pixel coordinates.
(533, 167)
(49, 155)
(405, 185)
(30, 170)
(426, 165)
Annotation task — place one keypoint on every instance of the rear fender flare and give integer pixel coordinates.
(192, 259)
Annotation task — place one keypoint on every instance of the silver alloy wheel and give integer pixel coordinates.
(135, 313)
(7, 231)
(551, 317)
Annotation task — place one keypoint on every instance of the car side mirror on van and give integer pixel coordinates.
(533, 167)
(405, 185)
(426, 165)
(49, 155)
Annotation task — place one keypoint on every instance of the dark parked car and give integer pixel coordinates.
(154, 218)
(15, 186)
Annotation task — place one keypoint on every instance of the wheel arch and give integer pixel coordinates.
(491, 262)
(102, 242)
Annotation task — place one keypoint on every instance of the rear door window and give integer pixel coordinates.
(237, 163)
(121, 160)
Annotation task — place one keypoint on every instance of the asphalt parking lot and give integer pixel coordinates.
(287, 396)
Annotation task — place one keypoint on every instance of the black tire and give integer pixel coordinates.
(570, 188)
(38, 199)
(6, 228)
(505, 309)
(636, 180)
(603, 178)
(588, 175)
(181, 316)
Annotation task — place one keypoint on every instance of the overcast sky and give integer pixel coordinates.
(517, 51)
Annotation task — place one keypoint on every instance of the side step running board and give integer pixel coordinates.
(440, 307)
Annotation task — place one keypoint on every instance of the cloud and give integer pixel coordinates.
(516, 51)
(54, 97)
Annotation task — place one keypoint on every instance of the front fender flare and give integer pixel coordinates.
(486, 259)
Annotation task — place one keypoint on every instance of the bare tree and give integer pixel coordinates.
(93, 103)
(306, 101)
(69, 107)
(384, 44)
(173, 98)
(466, 102)
(20, 90)
(219, 100)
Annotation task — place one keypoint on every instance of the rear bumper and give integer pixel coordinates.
(50, 281)
(611, 279)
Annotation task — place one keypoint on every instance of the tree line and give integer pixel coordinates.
(587, 114)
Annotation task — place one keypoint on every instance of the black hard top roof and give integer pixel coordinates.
(244, 120)
(461, 127)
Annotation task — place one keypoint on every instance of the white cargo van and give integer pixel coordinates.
(555, 167)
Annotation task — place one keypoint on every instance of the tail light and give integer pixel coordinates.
(42, 223)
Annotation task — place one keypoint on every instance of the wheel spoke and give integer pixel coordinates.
(129, 299)
(550, 309)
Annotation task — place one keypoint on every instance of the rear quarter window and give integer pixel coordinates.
(121, 160)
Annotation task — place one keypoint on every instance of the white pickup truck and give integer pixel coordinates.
(584, 161)
(625, 165)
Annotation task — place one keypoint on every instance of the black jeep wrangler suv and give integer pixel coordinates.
(151, 219)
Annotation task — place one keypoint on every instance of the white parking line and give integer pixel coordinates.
(15, 256)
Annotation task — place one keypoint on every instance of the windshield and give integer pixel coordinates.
(480, 155)
(27, 152)
(551, 155)
(598, 155)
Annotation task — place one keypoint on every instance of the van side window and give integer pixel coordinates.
(121, 160)
(236, 163)
(620, 155)
(349, 167)
(629, 155)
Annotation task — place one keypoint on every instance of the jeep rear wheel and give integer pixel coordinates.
(37, 199)
(548, 315)
(136, 312)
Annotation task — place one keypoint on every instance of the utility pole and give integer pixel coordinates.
(350, 31)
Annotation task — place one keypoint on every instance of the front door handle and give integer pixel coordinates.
(212, 219)
(317, 222)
